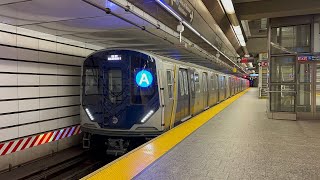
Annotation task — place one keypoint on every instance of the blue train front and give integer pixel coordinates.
(120, 95)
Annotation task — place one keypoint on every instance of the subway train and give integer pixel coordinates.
(128, 95)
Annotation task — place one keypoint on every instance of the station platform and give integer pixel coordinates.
(237, 142)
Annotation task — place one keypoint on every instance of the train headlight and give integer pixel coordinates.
(89, 114)
(146, 117)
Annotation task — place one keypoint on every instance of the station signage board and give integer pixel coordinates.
(263, 63)
(304, 58)
(183, 8)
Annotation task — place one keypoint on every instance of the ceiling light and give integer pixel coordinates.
(237, 30)
(228, 6)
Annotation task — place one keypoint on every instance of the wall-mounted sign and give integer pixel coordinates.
(144, 78)
(183, 8)
(263, 63)
(302, 58)
(263, 56)
(246, 59)
(114, 57)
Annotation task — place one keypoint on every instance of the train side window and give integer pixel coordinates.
(212, 82)
(196, 81)
(170, 83)
(181, 83)
(185, 80)
(204, 82)
(192, 82)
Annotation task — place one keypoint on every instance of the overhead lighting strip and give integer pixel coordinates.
(195, 31)
(228, 7)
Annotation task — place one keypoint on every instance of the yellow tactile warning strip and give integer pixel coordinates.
(131, 164)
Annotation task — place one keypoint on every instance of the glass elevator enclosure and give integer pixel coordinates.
(294, 79)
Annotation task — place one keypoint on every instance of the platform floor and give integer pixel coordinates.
(241, 143)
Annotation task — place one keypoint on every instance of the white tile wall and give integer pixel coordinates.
(68, 111)
(8, 106)
(28, 92)
(48, 91)
(25, 80)
(29, 123)
(27, 54)
(30, 104)
(50, 80)
(66, 101)
(8, 52)
(8, 120)
(27, 67)
(48, 69)
(68, 90)
(28, 117)
(48, 57)
(29, 129)
(27, 42)
(9, 93)
(9, 133)
(8, 66)
(48, 125)
(47, 46)
(8, 80)
(8, 39)
(68, 80)
(48, 103)
(48, 114)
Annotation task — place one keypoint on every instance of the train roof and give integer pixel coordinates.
(162, 58)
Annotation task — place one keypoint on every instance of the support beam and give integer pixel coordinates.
(276, 8)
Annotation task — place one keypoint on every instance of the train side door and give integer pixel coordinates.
(205, 89)
(217, 88)
(186, 92)
(183, 106)
(192, 90)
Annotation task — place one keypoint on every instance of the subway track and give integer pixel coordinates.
(69, 164)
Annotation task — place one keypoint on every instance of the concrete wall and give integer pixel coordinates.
(39, 89)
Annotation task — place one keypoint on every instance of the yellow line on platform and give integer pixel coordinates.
(132, 163)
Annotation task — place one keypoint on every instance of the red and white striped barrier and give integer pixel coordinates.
(32, 141)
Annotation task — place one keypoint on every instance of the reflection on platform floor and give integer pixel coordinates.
(241, 143)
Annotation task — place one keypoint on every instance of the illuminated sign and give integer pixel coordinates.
(309, 58)
(144, 78)
(114, 57)
(182, 7)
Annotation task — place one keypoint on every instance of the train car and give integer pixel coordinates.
(130, 94)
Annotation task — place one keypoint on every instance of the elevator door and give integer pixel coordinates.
(317, 91)
(308, 96)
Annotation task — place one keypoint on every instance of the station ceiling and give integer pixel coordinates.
(77, 20)
(257, 9)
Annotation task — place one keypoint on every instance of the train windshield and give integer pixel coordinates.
(118, 76)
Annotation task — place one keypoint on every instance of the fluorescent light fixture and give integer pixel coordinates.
(237, 30)
(228, 9)
(146, 117)
(89, 114)
(228, 6)
(169, 9)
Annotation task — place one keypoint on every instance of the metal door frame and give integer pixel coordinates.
(313, 114)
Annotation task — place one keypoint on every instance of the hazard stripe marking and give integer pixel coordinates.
(32, 141)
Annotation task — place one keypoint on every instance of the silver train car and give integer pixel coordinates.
(130, 94)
